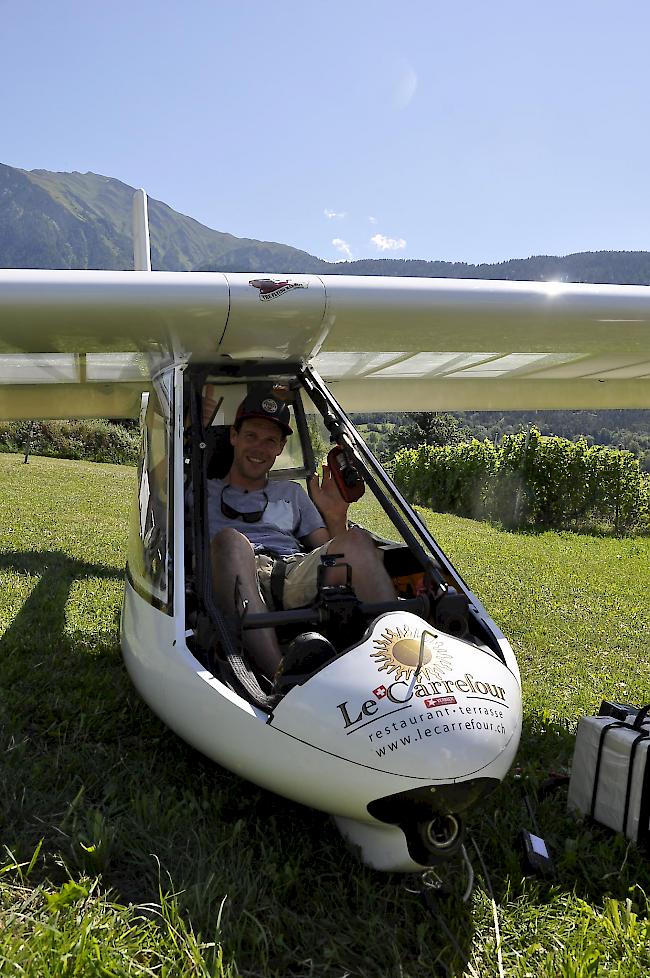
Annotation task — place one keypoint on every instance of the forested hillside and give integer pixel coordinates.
(603, 267)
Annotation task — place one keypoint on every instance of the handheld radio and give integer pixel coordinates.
(347, 478)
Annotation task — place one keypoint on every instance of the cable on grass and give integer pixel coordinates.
(431, 888)
(433, 908)
(497, 932)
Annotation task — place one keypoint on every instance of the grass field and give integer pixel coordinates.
(127, 853)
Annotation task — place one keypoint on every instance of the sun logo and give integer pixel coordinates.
(398, 652)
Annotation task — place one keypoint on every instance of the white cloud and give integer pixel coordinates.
(383, 243)
(343, 247)
(373, 220)
(331, 214)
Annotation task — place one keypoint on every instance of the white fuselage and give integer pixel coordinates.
(405, 708)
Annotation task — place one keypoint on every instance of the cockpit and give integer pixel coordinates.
(424, 581)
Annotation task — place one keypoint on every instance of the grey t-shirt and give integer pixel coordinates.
(289, 515)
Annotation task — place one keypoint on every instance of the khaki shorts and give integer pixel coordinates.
(300, 579)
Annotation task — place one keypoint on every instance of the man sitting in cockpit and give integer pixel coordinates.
(259, 527)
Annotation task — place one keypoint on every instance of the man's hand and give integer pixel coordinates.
(329, 501)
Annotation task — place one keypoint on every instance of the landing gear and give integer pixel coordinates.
(434, 840)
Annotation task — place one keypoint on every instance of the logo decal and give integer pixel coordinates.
(398, 652)
(380, 692)
(271, 288)
(269, 405)
(434, 701)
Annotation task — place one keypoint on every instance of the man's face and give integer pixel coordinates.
(256, 446)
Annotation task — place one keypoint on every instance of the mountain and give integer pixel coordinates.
(83, 220)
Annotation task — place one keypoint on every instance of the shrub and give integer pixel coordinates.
(531, 479)
(454, 478)
(94, 441)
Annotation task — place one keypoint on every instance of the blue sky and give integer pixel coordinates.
(466, 131)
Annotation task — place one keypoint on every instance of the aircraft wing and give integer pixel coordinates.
(85, 344)
(460, 344)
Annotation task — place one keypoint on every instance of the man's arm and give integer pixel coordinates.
(331, 506)
(317, 538)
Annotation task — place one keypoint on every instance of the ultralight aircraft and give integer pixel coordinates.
(417, 715)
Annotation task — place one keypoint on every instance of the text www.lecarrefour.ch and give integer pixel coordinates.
(444, 726)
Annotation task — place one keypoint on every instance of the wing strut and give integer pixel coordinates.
(140, 222)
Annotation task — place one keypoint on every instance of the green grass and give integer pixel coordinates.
(127, 853)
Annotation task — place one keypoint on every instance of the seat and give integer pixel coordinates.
(219, 452)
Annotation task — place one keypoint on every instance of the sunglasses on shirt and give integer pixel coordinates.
(233, 514)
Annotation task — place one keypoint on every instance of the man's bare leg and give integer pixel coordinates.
(370, 580)
(233, 559)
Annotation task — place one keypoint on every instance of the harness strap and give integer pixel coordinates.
(599, 757)
(278, 574)
(630, 772)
